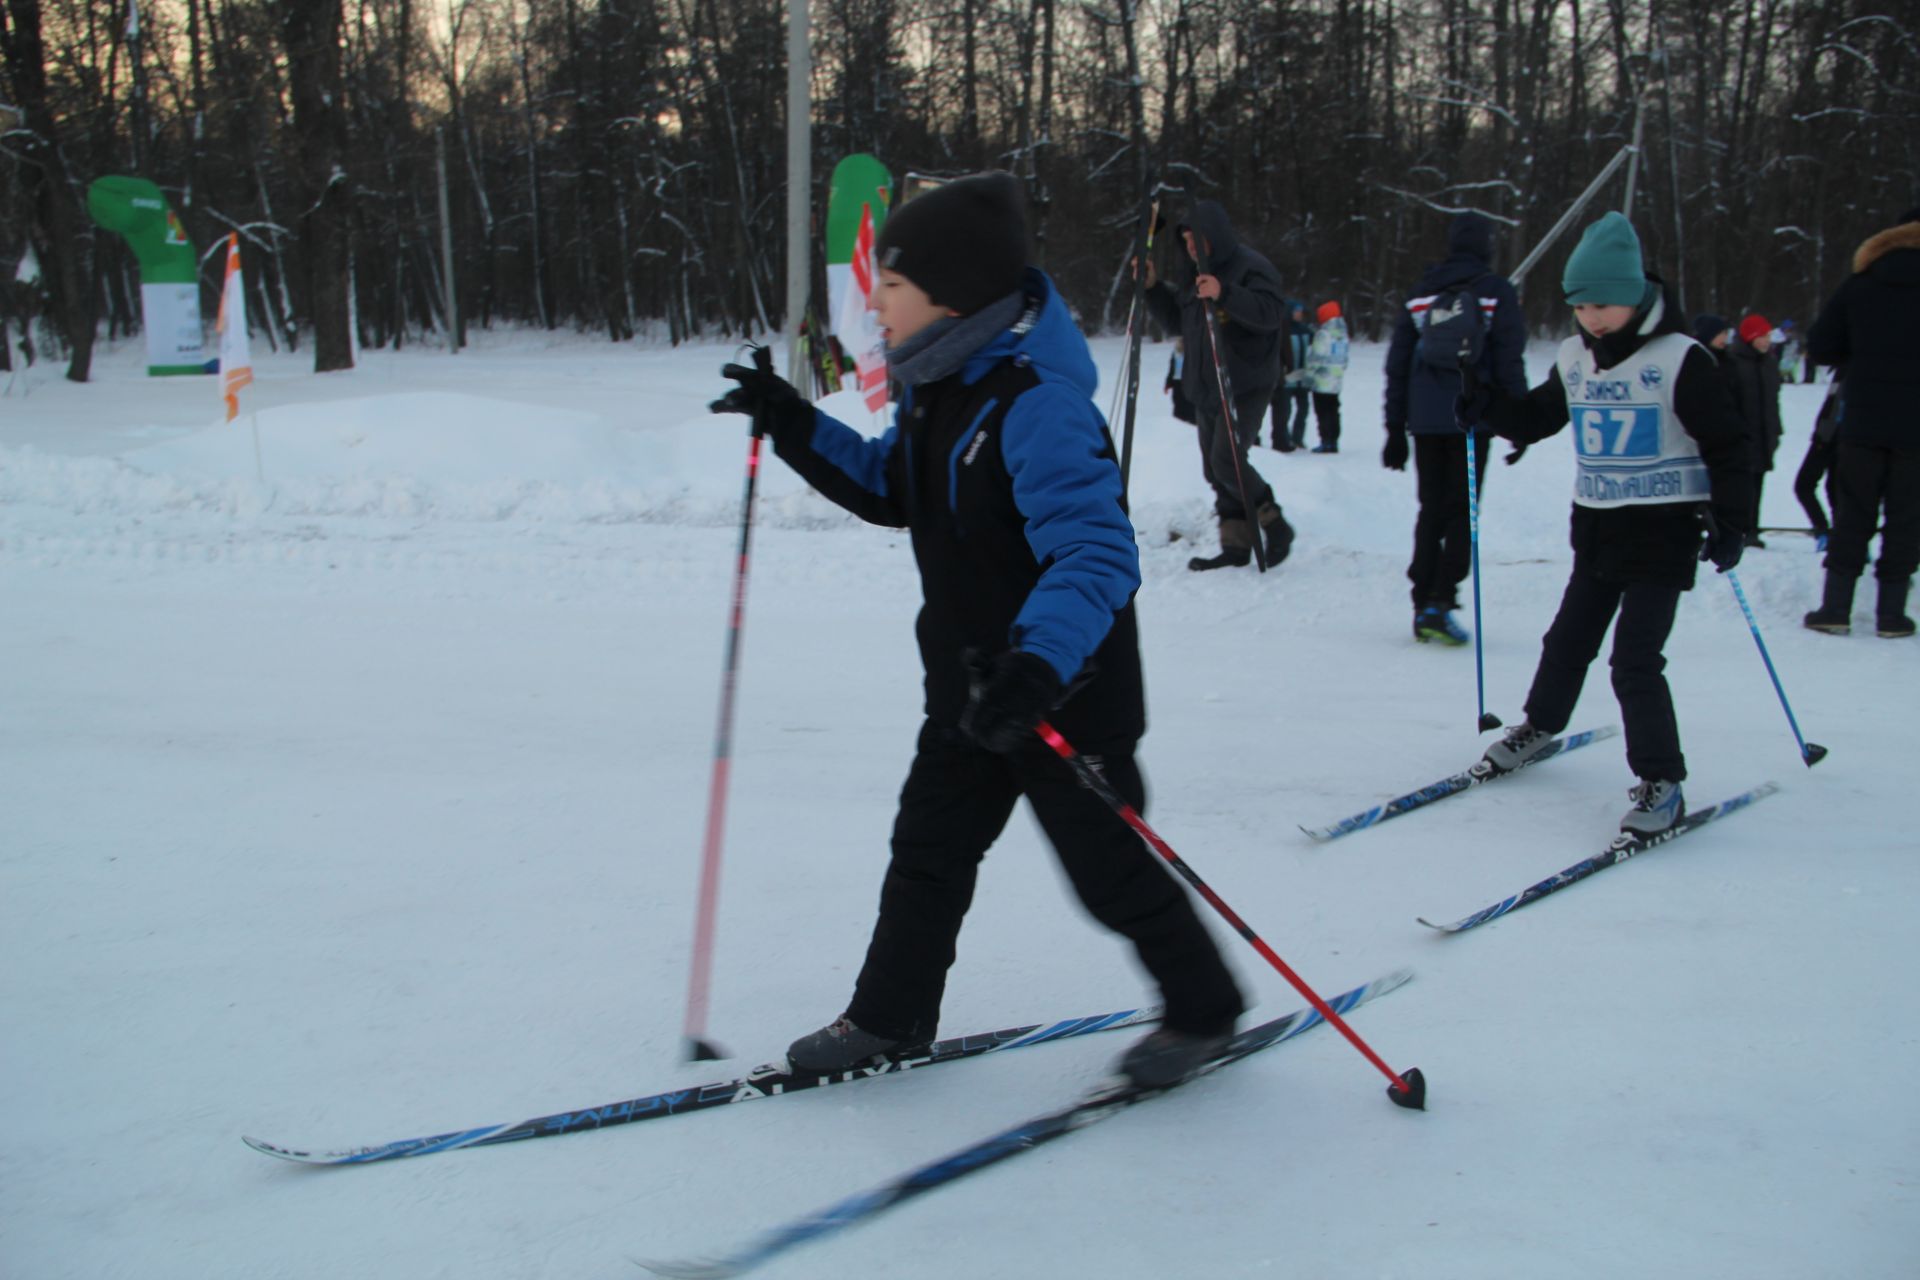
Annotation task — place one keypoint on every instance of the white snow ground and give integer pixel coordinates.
(358, 794)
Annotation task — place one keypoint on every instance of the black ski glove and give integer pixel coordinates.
(1724, 543)
(1007, 696)
(1394, 456)
(772, 401)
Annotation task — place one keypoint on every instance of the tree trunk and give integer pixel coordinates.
(312, 32)
(62, 236)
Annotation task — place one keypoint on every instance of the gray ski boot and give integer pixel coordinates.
(1657, 805)
(838, 1046)
(1523, 744)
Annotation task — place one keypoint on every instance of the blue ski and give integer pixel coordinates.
(1107, 1099)
(769, 1081)
(1480, 771)
(1623, 847)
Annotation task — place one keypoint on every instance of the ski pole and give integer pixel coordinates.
(1409, 1088)
(1812, 753)
(1233, 435)
(698, 1047)
(1136, 331)
(1487, 721)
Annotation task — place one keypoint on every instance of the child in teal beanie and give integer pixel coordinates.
(1659, 450)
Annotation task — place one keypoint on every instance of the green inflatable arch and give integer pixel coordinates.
(169, 277)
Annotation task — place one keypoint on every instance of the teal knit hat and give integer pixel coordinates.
(1605, 265)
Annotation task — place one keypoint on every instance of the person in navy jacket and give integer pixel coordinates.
(1420, 400)
(1001, 469)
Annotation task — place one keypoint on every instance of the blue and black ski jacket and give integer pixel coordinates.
(1006, 479)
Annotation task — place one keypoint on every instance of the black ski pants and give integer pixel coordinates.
(1869, 485)
(1442, 542)
(957, 799)
(1572, 643)
(1223, 454)
(1289, 415)
(1326, 414)
(1806, 482)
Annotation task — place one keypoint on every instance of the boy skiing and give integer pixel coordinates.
(1001, 469)
(1660, 446)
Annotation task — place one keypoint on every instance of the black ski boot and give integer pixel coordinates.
(1164, 1057)
(1891, 620)
(1835, 614)
(838, 1046)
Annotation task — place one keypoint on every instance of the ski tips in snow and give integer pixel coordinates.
(1410, 1091)
(1813, 754)
(689, 1268)
(1489, 722)
(699, 1050)
(1624, 846)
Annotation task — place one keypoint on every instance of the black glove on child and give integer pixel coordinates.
(1723, 546)
(1394, 456)
(1724, 542)
(770, 399)
(1008, 696)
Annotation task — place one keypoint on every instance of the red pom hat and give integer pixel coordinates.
(1327, 311)
(1755, 326)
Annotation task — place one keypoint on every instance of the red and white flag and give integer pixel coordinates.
(236, 364)
(870, 361)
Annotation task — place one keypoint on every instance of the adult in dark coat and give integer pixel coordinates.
(1754, 372)
(1420, 401)
(1870, 328)
(1236, 290)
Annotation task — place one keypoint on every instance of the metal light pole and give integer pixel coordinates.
(799, 179)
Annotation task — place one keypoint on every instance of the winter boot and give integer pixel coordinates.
(1323, 447)
(1435, 623)
(838, 1046)
(1522, 745)
(1278, 532)
(1892, 621)
(1236, 547)
(1229, 558)
(1164, 1057)
(1657, 805)
(1835, 614)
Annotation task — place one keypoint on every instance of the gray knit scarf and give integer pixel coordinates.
(945, 345)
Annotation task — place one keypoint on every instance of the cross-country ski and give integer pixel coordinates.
(1621, 848)
(1452, 785)
(771, 1081)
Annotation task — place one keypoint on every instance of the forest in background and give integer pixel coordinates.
(619, 165)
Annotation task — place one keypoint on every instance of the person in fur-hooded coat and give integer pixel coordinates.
(1870, 328)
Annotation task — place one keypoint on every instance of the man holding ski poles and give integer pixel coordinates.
(1001, 468)
(1231, 316)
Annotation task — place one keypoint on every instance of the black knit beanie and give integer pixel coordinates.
(964, 242)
